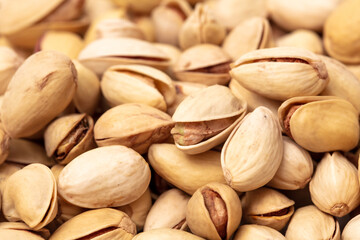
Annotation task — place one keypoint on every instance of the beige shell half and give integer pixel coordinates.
(30, 195)
(105, 223)
(14, 234)
(258, 232)
(196, 170)
(352, 229)
(9, 63)
(165, 234)
(45, 233)
(303, 38)
(104, 53)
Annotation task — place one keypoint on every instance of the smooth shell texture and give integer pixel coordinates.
(46, 82)
(108, 176)
(18, 235)
(352, 229)
(165, 234)
(9, 62)
(253, 152)
(302, 38)
(23, 227)
(258, 232)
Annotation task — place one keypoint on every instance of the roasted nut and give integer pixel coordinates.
(9, 63)
(352, 229)
(165, 234)
(303, 39)
(258, 232)
(116, 28)
(19, 227)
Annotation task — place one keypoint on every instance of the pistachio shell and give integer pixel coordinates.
(140, 6)
(165, 234)
(18, 235)
(9, 63)
(23, 227)
(302, 38)
(282, 72)
(253, 152)
(146, 25)
(196, 170)
(253, 231)
(168, 211)
(4, 145)
(214, 211)
(352, 229)
(95, 9)
(30, 196)
(268, 207)
(46, 81)
(117, 27)
(309, 223)
(6, 170)
(355, 69)
(134, 125)
(105, 223)
(116, 175)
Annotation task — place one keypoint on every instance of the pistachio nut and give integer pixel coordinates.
(9, 63)
(106, 52)
(351, 229)
(46, 81)
(339, 194)
(15, 234)
(251, 34)
(343, 83)
(168, 18)
(268, 207)
(4, 145)
(355, 69)
(302, 38)
(165, 234)
(196, 170)
(171, 51)
(168, 211)
(340, 39)
(117, 27)
(146, 25)
(206, 118)
(137, 84)
(116, 175)
(296, 167)
(282, 72)
(6, 170)
(139, 6)
(133, 125)
(258, 232)
(104, 223)
(214, 211)
(69, 136)
(201, 27)
(204, 63)
(30, 195)
(320, 123)
(253, 152)
(95, 9)
(87, 94)
(20, 226)
(313, 14)
(309, 223)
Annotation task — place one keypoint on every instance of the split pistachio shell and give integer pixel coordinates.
(214, 211)
(106, 52)
(45, 233)
(14, 234)
(117, 27)
(30, 195)
(46, 81)
(168, 211)
(87, 94)
(196, 170)
(343, 83)
(137, 84)
(253, 152)
(334, 187)
(69, 136)
(258, 232)
(206, 118)
(133, 125)
(320, 123)
(165, 234)
(281, 73)
(352, 229)
(105, 223)
(116, 175)
(9, 63)
(340, 38)
(251, 34)
(204, 63)
(268, 207)
(296, 167)
(302, 38)
(4, 145)
(309, 223)
(201, 27)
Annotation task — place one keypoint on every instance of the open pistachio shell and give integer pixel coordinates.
(352, 229)
(165, 234)
(4, 145)
(302, 38)
(214, 211)
(204, 63)
(309, 223)
(133, 125)
(116, 175)
(196, 170)
(9, 63)
(68, 137)
(281, 73)
(168, 211)
(138, 84)
(46, 81)
(258, 232)
(320, 123)
(106, 52)
(30, 195)
(43, 232)
(105, 223)
(253, 152)
(268, 207)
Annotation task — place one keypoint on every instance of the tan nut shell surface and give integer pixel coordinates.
(352, 229)
(18, 235)
(258, 232)
(166, 234)
(9, 62)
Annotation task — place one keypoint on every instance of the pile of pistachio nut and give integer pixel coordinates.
(179, 119)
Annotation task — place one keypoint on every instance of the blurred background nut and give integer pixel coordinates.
(116, 27)
(9, 63)
(253, 231)
(139, 6)
(4, 145)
